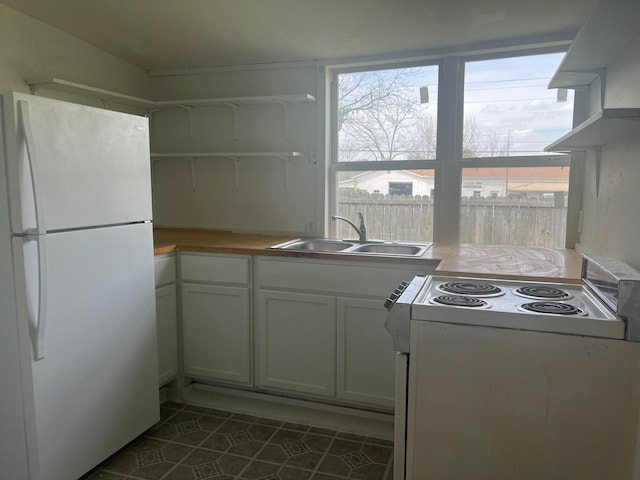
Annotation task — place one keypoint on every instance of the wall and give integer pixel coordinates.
(31, 49)
(266, 197)
(611, 224)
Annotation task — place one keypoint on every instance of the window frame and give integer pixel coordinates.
(449, 162)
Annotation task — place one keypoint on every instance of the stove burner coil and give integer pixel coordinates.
(459, 301)
(542, 292)
(556, 308)
(471, 288)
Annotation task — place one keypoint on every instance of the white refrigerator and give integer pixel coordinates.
(78, 375)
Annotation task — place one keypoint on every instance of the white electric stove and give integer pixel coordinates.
(508, 379)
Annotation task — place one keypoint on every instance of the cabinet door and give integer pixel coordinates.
(365, 360)
(167, 333)
(295, 335)
(216, 333)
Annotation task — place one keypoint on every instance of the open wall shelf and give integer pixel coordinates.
(108, 96)
(611, 26)
(235, 157)
(607, 125)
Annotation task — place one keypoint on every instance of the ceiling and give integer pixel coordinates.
(178, 34)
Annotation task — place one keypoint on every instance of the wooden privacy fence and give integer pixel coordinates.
(536, 221)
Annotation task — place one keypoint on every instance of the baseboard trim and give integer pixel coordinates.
(343, 419)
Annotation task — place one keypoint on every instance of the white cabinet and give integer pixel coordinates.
(320, 328)
(296, 346)
(166, 318)
(216, 317)
(365, 356)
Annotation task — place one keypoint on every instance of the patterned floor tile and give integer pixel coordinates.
(199, 443)
(325, 476)
(293, 473)
(261, 470)
(146, 458)
(295, 426)
(204, 465)
(239, 438)
(356, 460)
(295, 449)
(186, 427)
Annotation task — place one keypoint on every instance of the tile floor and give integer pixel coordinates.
(196, 443)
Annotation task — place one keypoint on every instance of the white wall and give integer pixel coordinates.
(262, 202)
(31, 49)
(611, 224)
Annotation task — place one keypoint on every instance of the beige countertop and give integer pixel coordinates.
(487, 261)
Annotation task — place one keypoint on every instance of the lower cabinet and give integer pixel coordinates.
(319, 328)
(166, 332)
(365, 357)
(216, 332)
(166, 317)
(305, 327)
(296, 342)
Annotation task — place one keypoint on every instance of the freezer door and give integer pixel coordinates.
(95, 388)
(73, 166)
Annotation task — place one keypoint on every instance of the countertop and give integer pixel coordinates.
(486, 261)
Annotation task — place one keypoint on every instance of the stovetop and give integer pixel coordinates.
(545, 307)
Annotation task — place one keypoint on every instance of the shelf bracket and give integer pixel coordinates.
(597, 156)
(236, 111)
(285, 161)
(236, 163)
(189, 111)
(285, 111)
(187, 108)
(601, 73)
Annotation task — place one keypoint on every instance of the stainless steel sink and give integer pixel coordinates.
(344, 246)
(316, 244)
(391, 249)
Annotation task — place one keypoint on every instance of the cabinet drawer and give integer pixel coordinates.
(165, 269)
(215, 269)
(344, 278)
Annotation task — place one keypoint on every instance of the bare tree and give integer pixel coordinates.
(380, 118)
(482, 140)
(377, 112)
(425, 137)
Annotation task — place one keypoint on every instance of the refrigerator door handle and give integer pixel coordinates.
(27, 130)
(35, 274)
(42, 298)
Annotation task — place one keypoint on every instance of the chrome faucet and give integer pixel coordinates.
(361, 229)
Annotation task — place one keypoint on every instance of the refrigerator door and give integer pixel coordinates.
(72, 166)
(13, 454)
(95, 389)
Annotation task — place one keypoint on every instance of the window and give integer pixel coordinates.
(386, 129)
(510, 115)
(396, 160)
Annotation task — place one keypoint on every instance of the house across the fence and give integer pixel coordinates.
(512, 182)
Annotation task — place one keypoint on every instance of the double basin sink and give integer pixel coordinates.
(348, 246)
